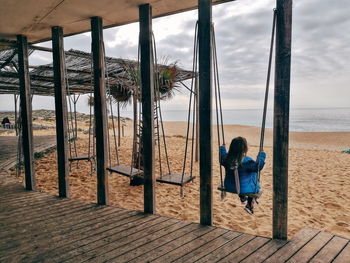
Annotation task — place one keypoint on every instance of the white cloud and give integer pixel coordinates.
(320, 49)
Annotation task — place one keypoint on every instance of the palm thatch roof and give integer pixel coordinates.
(122, 75)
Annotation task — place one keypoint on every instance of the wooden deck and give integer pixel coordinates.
(37, 227)
(9, 145)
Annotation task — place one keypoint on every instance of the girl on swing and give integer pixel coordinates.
(242, 170)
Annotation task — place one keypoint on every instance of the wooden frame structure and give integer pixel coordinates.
(61, 111)
(205, 115)
(281, 110)
(281, 118)
(26, 112)
(147, 93)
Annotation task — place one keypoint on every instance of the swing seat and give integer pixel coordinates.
(254, 195)
(175, 179)
(81, 158)
(125, 170)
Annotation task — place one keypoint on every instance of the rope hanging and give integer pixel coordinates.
(263, 124)
(194, 83)
(73, 124)
(219, 107)
(111, 112)
(70, 121)
(136, 149)
(158, 111)
(219, 116)
(177, 179)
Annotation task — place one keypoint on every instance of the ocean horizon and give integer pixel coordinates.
(301, 119)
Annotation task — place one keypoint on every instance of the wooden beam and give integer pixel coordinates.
(147, 90)
(205, 116)
(26, 112)
(59, 70)
(281, 118)
(100, 110)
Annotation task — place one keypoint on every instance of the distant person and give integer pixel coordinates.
(241, 170)
(6, 123)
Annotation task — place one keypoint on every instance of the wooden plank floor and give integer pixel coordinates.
(37, 227)
(9, 144)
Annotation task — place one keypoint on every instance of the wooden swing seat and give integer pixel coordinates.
(81, 158)
(254, 195)
(175, 179)
(125, 170)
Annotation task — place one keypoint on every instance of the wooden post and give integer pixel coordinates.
(100, 110)
(59, 70)
(204, 99)
(147, 90)
(26, 112)
(281, 118)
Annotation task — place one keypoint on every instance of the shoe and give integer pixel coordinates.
(249, 210)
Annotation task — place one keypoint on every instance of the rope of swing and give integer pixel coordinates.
(158, 110)
(108, 90)
(75, 101)
(157, 98)
(218, 98)
(218, 105)
(70, 120)
(263, 124)
(137, 122)
(111, 112)
(192, 87)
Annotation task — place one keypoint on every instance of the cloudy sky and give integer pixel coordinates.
(320, 52)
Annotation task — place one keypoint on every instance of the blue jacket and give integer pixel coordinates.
(248, 173)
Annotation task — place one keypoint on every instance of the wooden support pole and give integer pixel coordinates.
(100, 110)
(281, 118)
(59, 70)
(205, 115)
(26, 112)
(147, 91)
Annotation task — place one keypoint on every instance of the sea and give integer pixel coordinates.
(301, 119)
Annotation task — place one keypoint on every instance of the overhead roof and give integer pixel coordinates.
(120, 73)
(34, 18)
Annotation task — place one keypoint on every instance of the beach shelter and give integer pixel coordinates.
(35, 21)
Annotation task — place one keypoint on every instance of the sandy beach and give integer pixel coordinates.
(318, 181)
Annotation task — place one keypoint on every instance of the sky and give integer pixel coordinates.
(320, 74)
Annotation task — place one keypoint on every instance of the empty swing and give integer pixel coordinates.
(133, 171)
(73, 129)
(173, 178)
(220, 130)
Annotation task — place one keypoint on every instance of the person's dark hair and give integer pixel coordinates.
(238, 149)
